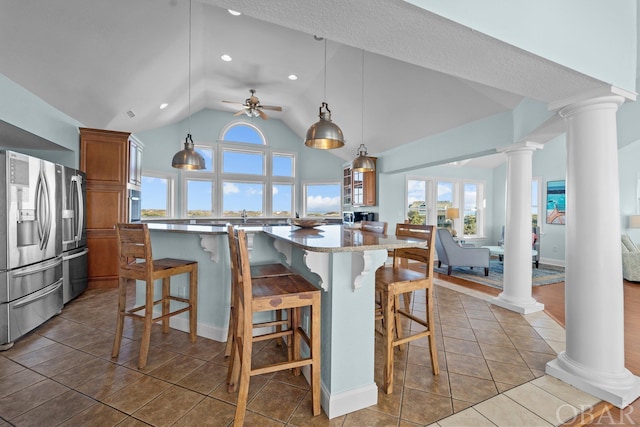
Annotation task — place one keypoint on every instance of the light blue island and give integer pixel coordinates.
(342, 261)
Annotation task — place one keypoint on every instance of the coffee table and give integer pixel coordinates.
(499, 252)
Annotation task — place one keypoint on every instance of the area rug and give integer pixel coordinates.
(544, 275)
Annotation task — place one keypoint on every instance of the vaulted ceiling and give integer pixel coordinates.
(394, 73)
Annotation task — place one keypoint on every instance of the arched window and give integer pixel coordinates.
(243, 132)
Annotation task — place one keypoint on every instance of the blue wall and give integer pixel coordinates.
(206, 126)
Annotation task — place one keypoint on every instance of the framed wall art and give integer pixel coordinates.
(556, 202)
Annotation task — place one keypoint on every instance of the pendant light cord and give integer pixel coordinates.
(362, 121)
(189, 77)
(325, 70)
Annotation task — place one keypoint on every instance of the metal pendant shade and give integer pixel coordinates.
(324, 134)
(362, 163)
(188, 158)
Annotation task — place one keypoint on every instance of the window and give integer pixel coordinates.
(242, 162)
(242, 196)
(157, 193)
(282, 200)
(207, 153)
(200, 196)
(322, 199)
(282, 164)
(241, 174)
(243, 132)
(429, 198)
(444, 201)
(470, 209)
(417, 201)
(536, 201)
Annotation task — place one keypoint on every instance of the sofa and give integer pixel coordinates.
(452, 254)
(630, 260)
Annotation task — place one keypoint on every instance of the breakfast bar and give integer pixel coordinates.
(340, 260)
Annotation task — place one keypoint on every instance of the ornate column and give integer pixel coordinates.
(516, 294)
(594, 357)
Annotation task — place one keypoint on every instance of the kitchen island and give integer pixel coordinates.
(340, 260)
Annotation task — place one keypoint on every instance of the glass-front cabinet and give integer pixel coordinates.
(362, 188)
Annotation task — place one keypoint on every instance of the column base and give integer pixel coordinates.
(338, 404)
(619, 390)
(522, 307)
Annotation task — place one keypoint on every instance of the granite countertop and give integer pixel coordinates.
(325, 238)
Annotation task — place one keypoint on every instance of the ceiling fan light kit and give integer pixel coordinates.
(188, 158)
(253, 108)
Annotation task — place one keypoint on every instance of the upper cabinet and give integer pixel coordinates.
(346, 186)
(135, 162)
(359, 188)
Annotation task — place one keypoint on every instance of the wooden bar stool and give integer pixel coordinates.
(136, 262)
(393, 280)
(290, 292)
(257, 271)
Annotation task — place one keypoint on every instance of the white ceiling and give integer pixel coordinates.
(95, 60)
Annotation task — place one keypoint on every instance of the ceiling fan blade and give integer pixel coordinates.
(233, 102)
(271, 107)
(263, 115)
(239, 113)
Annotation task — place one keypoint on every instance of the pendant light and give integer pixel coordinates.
(188, 158)
(363, 163)
(324, 134)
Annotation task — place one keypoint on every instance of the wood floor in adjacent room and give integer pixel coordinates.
(552, 296)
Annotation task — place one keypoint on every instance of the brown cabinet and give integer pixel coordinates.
(363, 188)
(104, 157)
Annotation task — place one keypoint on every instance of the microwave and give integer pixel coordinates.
(349, 217)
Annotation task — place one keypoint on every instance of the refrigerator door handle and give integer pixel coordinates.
(43, 210)
(77, 179)
(41, 267)
(78, 255)
(40, 294)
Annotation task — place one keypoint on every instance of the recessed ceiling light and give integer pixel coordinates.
(293, 77)
(226, 58)
(234, 12)
(163, 105)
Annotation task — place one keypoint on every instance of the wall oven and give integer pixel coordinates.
(135, 205)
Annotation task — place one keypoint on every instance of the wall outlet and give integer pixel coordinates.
(182, 292)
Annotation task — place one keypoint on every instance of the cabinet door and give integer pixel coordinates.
(357, 189)
(369, 190)
(346, 186)
(363, 185)
(102, 156)
(135, 163)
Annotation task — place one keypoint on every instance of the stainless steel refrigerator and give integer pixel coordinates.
(30, 245)
(74, 233)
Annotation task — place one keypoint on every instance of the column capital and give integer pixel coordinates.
(520, 146)
(602, 92)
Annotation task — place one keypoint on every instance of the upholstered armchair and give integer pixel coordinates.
(630, 260)
(452, 254)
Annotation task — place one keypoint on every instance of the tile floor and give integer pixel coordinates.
(492, 373)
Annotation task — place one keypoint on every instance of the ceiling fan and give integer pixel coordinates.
(253, 108)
